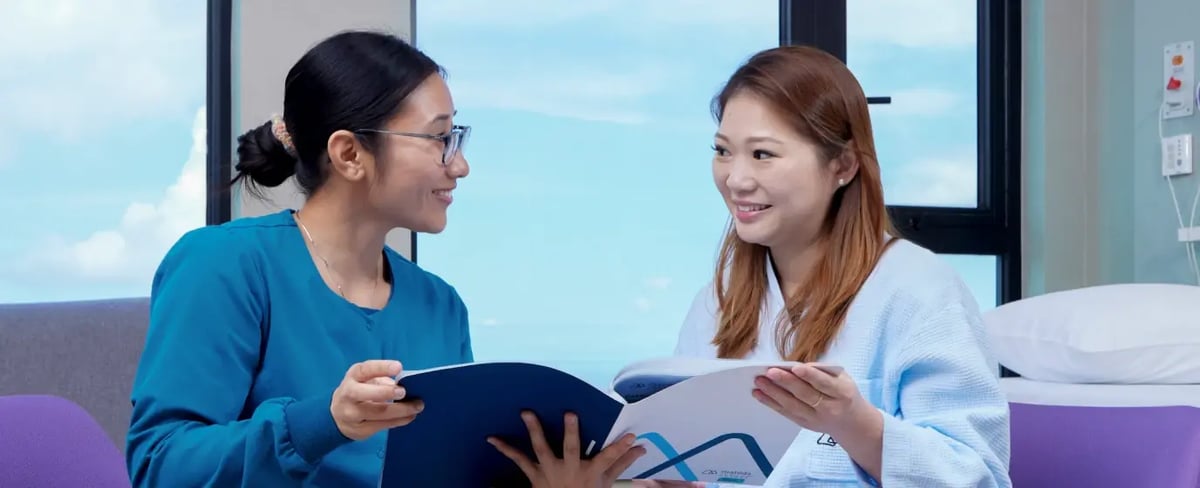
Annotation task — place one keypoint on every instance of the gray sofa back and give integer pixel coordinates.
(86, 352)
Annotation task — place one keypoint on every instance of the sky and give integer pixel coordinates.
(589, 220)
(101, 150)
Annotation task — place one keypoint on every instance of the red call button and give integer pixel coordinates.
(1174, 83)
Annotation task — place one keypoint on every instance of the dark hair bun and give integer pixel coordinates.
(262, 158)
(351, 81)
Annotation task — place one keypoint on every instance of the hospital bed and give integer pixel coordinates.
(1107, 392)
(1101, 436)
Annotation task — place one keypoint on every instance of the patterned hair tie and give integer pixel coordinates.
(279, 129)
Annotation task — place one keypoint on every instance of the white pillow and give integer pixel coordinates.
(1119, 334)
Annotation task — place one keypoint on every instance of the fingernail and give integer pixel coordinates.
(399, 392)
(420, 406)
(491, 441)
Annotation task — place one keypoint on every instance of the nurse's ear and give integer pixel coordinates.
(348, 157)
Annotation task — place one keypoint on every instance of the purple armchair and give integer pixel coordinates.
(1105, 447)
(47, 441)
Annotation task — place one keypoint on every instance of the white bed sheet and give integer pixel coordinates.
(1021, 390)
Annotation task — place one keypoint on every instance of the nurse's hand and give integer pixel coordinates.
(363, 404)
(571, 471)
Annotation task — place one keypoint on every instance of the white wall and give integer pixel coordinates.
(1158, 256)
(268, 37)
(1096, 207)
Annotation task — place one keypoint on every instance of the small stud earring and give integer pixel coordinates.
(841, 182)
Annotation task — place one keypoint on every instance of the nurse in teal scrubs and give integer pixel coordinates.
(273, 339)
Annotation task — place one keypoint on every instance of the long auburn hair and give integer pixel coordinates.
(820, 99)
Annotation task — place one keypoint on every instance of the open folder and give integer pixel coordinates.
(696, 418)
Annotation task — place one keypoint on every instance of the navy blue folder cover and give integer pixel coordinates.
(446, 445)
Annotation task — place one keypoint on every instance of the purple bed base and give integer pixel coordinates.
(1105, 447)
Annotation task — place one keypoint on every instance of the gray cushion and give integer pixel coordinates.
(83, 351)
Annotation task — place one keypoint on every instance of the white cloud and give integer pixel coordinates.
(912, 23)
(924, 102)
(658, 282)
(6, 152)
(655, 285)
(934, 182)
(579, 92)
(702, 13)
(643, 304)
(553, 79)
(129, 252)
(625, 14)
(113, 61)
(620, 89)
(909, 23)
(514, 13)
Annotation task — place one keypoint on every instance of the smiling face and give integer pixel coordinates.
(412, 186)
(777, 185)
(795, 126)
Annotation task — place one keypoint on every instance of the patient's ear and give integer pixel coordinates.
(845, 165)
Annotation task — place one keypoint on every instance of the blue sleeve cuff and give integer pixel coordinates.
(312, 429)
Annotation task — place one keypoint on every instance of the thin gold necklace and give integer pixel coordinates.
(374, 283)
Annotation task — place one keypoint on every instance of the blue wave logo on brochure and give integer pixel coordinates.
(679, 461)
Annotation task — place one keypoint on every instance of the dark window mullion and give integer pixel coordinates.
(218, 105)
(818, 23)
(1000, 134)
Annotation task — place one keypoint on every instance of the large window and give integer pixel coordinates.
(590, 220)
(102, 143)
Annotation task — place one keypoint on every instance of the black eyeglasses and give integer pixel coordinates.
(452, 142)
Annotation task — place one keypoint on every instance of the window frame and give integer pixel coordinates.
(219, 112)
(993, 227)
